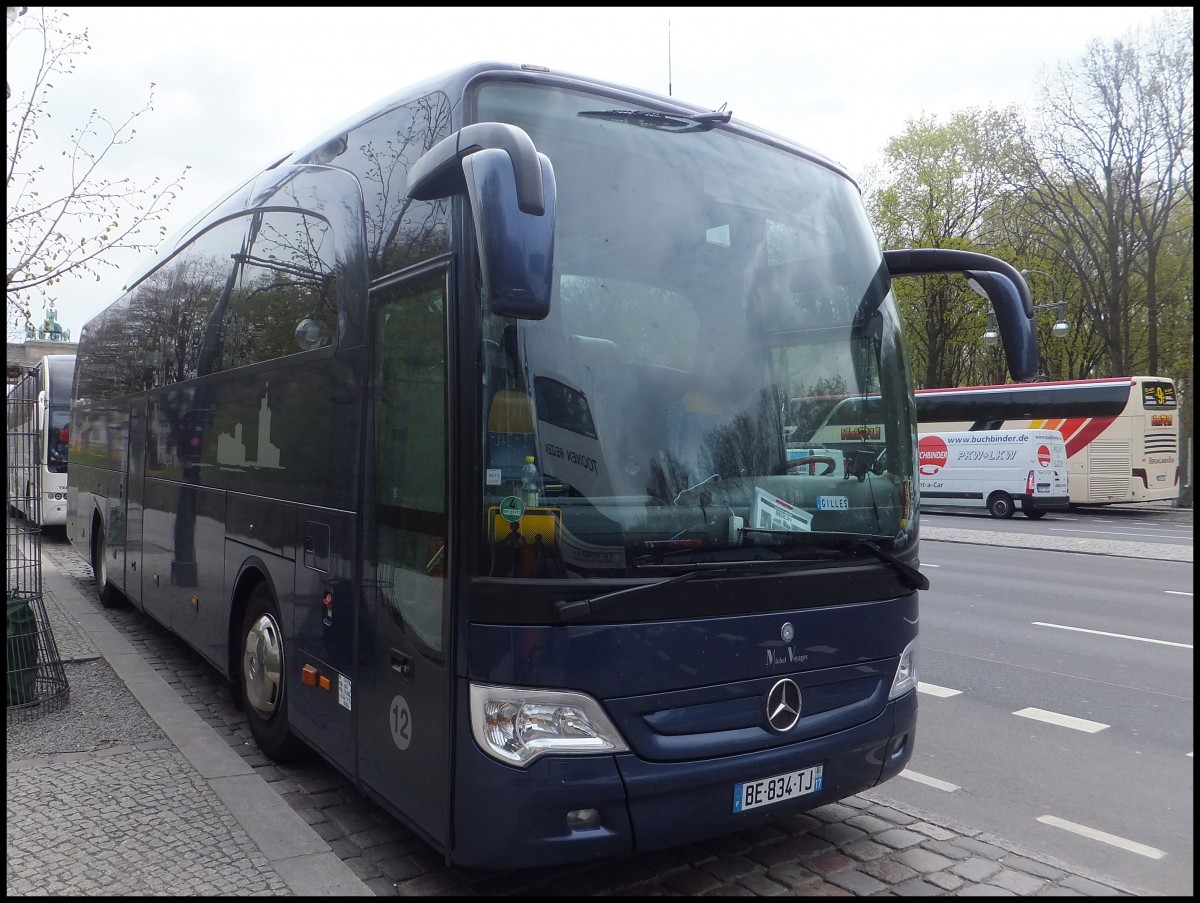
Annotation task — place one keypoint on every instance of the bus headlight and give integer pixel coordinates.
(517, 725)
(906, 671)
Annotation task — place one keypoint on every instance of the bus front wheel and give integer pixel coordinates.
(263, 672)
(104, 589)
(999, 504)
(1034, 513)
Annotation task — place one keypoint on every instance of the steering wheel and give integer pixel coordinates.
(831, 464)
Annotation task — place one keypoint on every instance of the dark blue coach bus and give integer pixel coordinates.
(455, 440)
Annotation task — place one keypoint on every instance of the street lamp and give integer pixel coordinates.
(1060, 328)
(990, 336)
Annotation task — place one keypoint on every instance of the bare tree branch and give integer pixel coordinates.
(86, 215)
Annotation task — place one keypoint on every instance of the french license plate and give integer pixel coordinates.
(777, 789)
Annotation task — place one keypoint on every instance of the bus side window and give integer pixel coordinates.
(284, 281)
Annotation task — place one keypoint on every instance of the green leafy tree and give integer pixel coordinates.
(1106, 193)
(942, 181)
(1106, 168)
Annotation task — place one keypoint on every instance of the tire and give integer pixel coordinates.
(262, 669)
(1000, 504)
(105, 591)
(1034, 513)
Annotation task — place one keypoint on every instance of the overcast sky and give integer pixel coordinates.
(236, 88)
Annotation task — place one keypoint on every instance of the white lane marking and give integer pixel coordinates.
(1117, 533)
(926, 779)
(1084, 831)
(1169, 592)
(1119, 636)
(1079, 724)
(935, 690)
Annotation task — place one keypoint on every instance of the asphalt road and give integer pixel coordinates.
(1056, 705)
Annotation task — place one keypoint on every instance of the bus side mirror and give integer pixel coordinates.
(1020, 337)
(1003, 285)
(516, 250)
(510, 189)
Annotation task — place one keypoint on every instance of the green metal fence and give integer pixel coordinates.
(36, 681)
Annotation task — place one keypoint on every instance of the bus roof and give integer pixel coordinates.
(1024, 401)
(453, 83)
(1124, 381)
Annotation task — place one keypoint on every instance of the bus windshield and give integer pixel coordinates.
(58, 437)
(703, 280)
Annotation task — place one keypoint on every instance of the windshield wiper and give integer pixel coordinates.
(573, 611)
(730, 554)
(671, 122)
(738, 555)
(869, 541)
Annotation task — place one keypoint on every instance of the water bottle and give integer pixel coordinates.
(529, 483)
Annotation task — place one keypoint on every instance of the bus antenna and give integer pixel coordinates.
(668, 57)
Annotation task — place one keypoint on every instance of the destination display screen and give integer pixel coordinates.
(1158, 395)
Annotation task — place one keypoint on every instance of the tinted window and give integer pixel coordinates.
(409, 375)
(283, 298)
(251, 289)
(400, 231)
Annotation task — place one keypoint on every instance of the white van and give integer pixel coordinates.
(994, 469)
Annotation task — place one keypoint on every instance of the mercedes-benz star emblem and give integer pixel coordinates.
(783, 705)
(787, 631)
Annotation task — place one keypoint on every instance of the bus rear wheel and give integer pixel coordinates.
(1034, 513)
(1000, 504)
(263, 671)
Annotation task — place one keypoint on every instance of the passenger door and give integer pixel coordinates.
(134, 505)
(403, 703)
